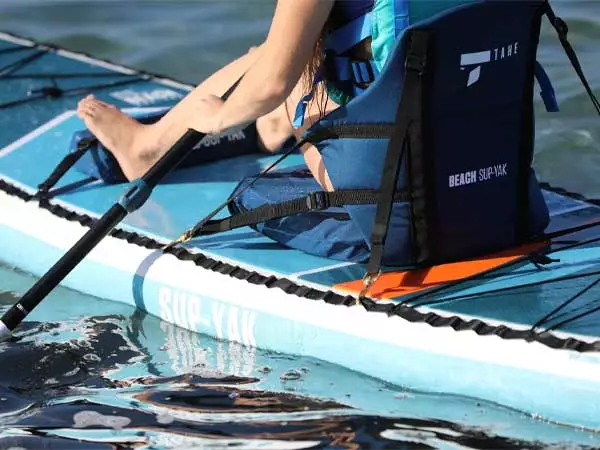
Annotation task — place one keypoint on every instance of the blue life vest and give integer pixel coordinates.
(449, 123)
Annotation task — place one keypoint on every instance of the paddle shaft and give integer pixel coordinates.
(135, 197)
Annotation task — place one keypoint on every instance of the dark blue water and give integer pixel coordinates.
(90, 374)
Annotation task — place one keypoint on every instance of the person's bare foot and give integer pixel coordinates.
(119, 133)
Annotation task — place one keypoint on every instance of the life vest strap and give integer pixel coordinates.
(304, 101)
(362, 72)
(339, 68)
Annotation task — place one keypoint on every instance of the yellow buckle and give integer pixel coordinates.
(368, 280)
(185, 237)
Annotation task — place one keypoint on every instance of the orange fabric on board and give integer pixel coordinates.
(396, 284)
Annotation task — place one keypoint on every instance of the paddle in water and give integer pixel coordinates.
(134, 198)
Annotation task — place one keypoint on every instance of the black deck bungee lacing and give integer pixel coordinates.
(409, 313)
(56, 92)
(16, 48)
(405, 311)
(20, 63)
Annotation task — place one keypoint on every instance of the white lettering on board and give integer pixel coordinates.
(145, 98)
(215, 139)
(218, 311)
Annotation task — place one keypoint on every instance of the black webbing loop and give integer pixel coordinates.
(67, 162)
(315, 201)
(18, 48)
(14, 66)
(562, 30)
(54, 92)
(351, 131)
(47, 91)
(408, 111)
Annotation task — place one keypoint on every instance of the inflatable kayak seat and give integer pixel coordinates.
(449, 122)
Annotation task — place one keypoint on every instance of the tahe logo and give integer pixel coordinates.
(478, 59)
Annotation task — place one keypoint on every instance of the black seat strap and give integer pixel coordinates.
(315, 201)
(63, 167)
(409, 111)
(562, 30)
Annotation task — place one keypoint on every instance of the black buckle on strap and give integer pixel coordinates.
(415, 63)
(317, 201)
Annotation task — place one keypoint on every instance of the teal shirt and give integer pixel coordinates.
(424, 9)
(384, 33)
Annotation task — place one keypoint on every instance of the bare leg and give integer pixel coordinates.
(135, 146)
(274, 129)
